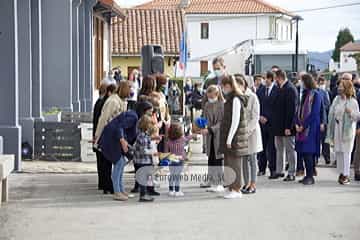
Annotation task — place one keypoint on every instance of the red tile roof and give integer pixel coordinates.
(147, 26)
(351, 46)
(217, 6)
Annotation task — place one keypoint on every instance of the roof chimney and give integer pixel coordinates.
(184, 4)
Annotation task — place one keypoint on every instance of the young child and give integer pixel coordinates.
(175, 145)
(214, 112)
(144, 154)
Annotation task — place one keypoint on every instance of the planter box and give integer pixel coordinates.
(52, 117)
(76, 117)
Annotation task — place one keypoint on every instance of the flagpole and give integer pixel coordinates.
(184, 59)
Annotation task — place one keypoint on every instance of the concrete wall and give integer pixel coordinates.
(57, 54)
(10, 129)
(125, 62)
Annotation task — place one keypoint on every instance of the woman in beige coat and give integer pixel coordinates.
(113, 106)
(214, 113)
(254, 133)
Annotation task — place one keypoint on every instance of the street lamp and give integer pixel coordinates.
(296, 18)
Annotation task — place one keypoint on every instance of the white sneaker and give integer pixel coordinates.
(220, 189)
(171, 194)
(226, 190)
(233, 195)
(179, 194)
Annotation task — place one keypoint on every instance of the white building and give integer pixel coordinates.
(347, 62)
(214, 25)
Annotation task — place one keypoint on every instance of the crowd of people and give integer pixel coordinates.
(253, 124)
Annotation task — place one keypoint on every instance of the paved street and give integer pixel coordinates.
(68, 206)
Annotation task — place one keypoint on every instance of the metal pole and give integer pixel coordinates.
(297, 45)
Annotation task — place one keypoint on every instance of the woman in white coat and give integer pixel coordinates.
(342, 127)
(254, 133)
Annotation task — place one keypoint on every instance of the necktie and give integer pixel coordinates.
(267, 92)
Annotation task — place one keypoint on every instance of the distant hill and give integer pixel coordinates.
(320, 59)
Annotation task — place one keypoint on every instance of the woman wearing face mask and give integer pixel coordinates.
(234, 138)
(254, 136)
(342, 127)
(325, 100)
(213, 112)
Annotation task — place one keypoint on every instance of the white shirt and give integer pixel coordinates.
(270, 88)
(235, 120)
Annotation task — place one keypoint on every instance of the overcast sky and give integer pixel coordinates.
(319, 29)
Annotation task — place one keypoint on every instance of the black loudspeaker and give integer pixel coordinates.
(152, 59)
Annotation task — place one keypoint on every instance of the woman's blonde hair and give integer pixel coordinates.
(215, 89)
(230, 80)
(153, 129)
(145, 123)
(349, 89)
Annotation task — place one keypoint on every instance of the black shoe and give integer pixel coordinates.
(357, 177)
(146, 198)
(308, 181)
(261, 173)
(250, 191)
(289, 178)
(108, 192)
(340, 178)
(327, 161)
(134, 190)
(244, 189)
(154, 193)
(276, 175)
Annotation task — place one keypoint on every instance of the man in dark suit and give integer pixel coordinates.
(267, 95)
(283, 127)
(258, 83)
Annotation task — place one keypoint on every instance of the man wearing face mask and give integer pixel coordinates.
(325, 100)
(218, 72)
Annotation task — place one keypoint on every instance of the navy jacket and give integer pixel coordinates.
(285, 106)
(267, 103)
(312, 124)
(122, 126)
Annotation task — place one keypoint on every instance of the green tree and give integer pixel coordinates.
(344, 36)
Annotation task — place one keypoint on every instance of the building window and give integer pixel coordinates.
(204, 30)
(204, 67)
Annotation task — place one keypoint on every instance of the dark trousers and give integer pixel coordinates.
(268, 156)
(104, 172)
(215, 171)
(300, 162)
(325, 151)
(309, 160)
(136, 168)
